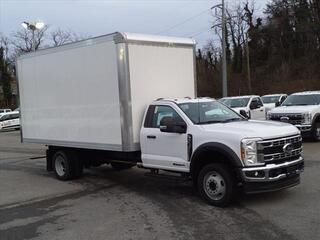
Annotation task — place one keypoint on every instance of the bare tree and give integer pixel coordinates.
(5, 45)
(59, 37)
(23, 42)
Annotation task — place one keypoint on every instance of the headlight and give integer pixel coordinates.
(249, 152)
(307, 118)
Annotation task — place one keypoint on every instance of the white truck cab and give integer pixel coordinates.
(219, 148)
(271, 101)
(252, 105)
(301, 109)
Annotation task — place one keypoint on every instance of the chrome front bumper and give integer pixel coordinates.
(273, 172)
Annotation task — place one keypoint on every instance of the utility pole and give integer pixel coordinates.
(248, 63)
(223, 45)
(224, 54)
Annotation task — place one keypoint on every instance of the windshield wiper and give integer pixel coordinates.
(209, 122)
(232, 120)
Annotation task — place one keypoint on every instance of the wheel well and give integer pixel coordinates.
(209, 156)
(317, 118)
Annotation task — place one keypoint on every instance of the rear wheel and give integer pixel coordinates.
(216, 185)
(66, 165)
(62, 166)
(316, 131)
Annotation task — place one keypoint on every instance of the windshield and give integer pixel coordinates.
(209, 112)
(300, 100)
(235, 102)
(271, 99)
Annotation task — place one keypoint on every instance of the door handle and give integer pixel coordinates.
(261, 110)
(151, 137)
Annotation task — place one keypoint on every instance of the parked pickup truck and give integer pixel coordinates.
(104, 106)
(302, 110)
(252, 105)
(271, 101)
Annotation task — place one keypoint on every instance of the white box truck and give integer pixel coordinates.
(130, 99)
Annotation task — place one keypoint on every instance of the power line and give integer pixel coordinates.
(183, 22)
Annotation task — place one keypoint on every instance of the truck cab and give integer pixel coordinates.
(252, 105)
(301, 109)
(219, 148)
(271, 101)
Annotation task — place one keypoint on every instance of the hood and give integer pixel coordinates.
(269, 105)
(294, 109)
(254, 128)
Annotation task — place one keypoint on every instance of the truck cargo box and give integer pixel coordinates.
(93, 93)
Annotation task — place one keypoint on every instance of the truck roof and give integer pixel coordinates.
(273, 95)
(117, 37)
(246, 96)
(307, 93)
(184, 100)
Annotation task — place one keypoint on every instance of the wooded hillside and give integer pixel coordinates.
(284, 50)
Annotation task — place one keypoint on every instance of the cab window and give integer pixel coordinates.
(158, 112)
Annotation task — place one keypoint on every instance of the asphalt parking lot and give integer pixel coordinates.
(107, 204)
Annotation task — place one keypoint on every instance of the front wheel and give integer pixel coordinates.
(316, 131)
(216, 184)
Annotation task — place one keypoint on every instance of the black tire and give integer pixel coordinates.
(67, 165)
(62, 166)
(216, 184)
(316, 131)
(121, 166)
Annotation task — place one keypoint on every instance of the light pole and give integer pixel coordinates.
(33, 27)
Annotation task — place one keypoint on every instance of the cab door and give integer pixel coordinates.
(163, 150)
(257, 109)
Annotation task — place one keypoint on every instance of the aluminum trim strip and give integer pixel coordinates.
(125, 97)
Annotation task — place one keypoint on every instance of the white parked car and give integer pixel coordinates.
(302, 110)
(271, 101)
(9, 120)
(252, 105)
(5, 110)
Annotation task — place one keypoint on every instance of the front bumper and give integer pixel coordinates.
(272, 177)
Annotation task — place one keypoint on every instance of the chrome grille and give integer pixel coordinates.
(273, 150)
(291, 118)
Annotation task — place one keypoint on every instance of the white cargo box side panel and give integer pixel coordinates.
(70, 97)
(158, 71)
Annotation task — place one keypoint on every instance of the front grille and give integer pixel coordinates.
(280, 150)
(288, 117)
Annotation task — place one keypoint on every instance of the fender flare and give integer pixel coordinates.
(217, 147)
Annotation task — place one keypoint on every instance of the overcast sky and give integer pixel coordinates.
(98, 17)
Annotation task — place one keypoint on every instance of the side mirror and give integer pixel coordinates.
(244, 114)
(278, 103)
(168, 124)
